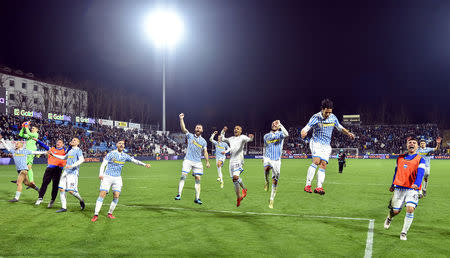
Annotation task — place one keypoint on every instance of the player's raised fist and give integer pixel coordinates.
(251, 135)
(225, 128)
(438, 140)
(215, 132)
(303, 134)
(181, 115)
(352, 136)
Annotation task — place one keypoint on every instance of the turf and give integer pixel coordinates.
(151, 223)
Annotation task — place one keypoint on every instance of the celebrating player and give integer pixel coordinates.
(20, 156)
(53, 172)
(273, 146)
(322, 124)
(424, 152)
(237, 143)
(30, 145)
(405, 185)
(112, 177)
(69, 177)
(221, 150)
(193, 159)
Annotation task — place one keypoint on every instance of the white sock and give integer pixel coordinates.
(311, 172)
(98, 205)
(77, 195)
(62, 195)
(17, 195)
(425, 184)
(181, 184)
(241, 183)
(237, 188)
(409, 217)
(320, 177)
(113, 205)
(274, 192)
(197, 188)
(219, 172)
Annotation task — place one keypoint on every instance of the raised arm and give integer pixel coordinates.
(43, 145)
(4, 144)
(63, 157)
(283, 130)
(438, 143)
(39, 152)
(222, 133)
(211, 139)
(183, 127)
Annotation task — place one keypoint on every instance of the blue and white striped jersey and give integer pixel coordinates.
(220, 147)
(20, 158)
(323, 128)
(273, 145)
(425, 154)
(73, 156)
(116, 161)
(195, 147)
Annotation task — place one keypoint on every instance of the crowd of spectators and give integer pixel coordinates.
(93, 136)
(370, 139)
(96, 139)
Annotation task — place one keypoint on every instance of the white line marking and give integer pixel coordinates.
(369, 241)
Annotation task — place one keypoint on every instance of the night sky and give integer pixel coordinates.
(248, 62)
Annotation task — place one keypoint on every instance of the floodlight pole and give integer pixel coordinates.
(164, 91)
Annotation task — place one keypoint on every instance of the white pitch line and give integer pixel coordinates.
(369, 241)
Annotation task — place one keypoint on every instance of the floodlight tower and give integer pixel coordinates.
(165, 28)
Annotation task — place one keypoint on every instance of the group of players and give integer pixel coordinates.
(411, 169)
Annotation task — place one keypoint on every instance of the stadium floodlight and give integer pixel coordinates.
(165, 28)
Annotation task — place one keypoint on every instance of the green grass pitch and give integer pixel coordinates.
(151, 223)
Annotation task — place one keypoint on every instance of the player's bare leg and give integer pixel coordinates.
(197, 189)
(113, 205)
(266, 177)
(311, 172)
(274, 191)
(321, 178)
(20, 179)
(219, 173)
(98, 205)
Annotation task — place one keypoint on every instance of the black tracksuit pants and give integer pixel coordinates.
(51, 174)
(341, 166)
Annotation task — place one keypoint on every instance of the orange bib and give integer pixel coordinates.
(406, 171)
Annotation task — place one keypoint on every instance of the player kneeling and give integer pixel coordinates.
(406, 185)
(112, 177)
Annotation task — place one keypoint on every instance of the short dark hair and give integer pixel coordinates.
(326, 103)
(412, 138)
(423, 140)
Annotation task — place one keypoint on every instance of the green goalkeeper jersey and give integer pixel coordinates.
(28, 135)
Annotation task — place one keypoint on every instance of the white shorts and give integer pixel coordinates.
(236, 168)
(275, 165)
(113, 182)
(68, 182)
(427, 172)
(220, 159)
(402, 196)
(319, 150)
(196, 167)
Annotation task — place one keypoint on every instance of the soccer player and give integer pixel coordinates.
(30, 145)
(406, 183)
(322, 124)
(20, 156)
(221, 149)
(273, 146)
(69, 177)
(237, 143)
(53, 171)
(112, 177)
(424, 152)
(193, 159)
